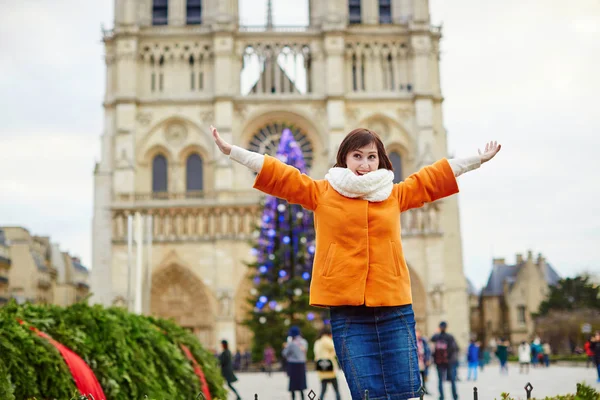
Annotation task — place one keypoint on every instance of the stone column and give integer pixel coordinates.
(335, 90)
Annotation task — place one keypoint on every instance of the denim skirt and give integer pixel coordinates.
(377, 349)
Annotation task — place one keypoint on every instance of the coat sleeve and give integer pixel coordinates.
(430, 183)
(288, 183)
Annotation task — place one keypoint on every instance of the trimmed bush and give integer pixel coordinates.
(132, 356)
(584, 392)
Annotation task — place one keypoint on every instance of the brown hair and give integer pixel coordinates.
(358, 139)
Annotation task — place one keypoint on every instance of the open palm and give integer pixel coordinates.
(491, 149)
(221, 144)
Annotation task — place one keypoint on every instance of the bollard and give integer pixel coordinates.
(528, 389)
(475, 395)
(367, 394)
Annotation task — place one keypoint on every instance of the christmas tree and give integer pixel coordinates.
(284, 252)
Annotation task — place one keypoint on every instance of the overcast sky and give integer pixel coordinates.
(523, 72)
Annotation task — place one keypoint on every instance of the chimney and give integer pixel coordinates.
(499, 261)
(540, 260)
(519, 258)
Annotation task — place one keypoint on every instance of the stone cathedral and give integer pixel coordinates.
(174, 67)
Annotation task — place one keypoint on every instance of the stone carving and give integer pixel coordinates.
(225, 309)
(241, 110)
(352, 114)
(144, 118)
(207, 117)
(175, 133)
(123, 161)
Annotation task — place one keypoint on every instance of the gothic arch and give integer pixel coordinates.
(395, 133)
(154, 151)
(208, 164)
(178, 294)
(419, 300)
(298, 118)
(173, 132)
(243, 335)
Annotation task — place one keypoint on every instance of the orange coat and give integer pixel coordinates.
(358, 258)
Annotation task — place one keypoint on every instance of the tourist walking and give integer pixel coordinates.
(227, 367)
(424, 353)
(445, 356)
(502, 354)
(359, 269)
(596, 348)
(295, 353)
(524, 351)
(589, 351)
(326, 362)
(268, 358)
(473, 360)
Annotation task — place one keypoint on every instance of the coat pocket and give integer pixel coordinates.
(396, 258)
(329, 259)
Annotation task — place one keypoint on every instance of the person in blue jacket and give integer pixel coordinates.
(473, 360)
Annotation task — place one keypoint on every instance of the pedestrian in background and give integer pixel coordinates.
(524, 357)
(326, 362)
(295, 353)
(268, 358)
(424, 354)
(472, 360)
(225, 360)
(445, 357)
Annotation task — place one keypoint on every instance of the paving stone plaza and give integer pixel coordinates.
(546, 382)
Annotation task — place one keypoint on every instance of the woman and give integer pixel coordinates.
(359, 270)
(424, 354)
(295, 353)
(326, 362)
(269, 358)
(227, 367)
(502, 354)
(524, 357)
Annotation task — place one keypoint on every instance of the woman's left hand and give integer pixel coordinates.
(491, 149)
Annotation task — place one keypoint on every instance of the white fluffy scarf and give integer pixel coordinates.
(375, 186)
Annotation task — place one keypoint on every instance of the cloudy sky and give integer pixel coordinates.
(523, 72)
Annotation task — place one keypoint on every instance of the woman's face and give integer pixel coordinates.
(363, 160)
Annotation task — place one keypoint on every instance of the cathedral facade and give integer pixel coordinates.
(174, 67)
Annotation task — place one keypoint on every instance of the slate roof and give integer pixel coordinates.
(78, 266)
(471, 288)
(508, 273)
(39, 262)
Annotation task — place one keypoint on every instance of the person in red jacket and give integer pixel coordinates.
(359, 271)
(589, 351)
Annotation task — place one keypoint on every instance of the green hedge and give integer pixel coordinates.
(584, 392)
(558, 357)
(132, 356)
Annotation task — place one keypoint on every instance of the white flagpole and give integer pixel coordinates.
(148, 286)
(129, 257)
(139, 263)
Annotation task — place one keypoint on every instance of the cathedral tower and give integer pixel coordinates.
(174, 67)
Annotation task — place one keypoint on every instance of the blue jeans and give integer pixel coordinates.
(473, 365)
(377, 349)
(449, 372)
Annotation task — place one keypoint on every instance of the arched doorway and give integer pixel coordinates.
(243, 335)
(178, 294)
(419, 301)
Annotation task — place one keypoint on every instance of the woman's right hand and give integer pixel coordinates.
(221, 144)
